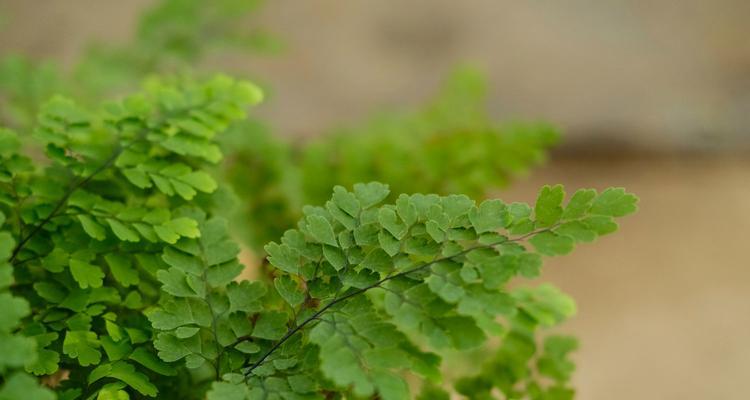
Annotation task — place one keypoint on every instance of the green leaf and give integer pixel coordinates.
(92, 228)
(390, 244)
(190, 146)
(171, 348)
(222, 274)
(201, 181)
(115, 350)
(390, 386)
(302, 383)
(164, 185)
(545, 303)
(283, 257)
(554, 362)
(343, 218)
(579, 204)
(122, 269)
(392, 223)
(85, 274)
(16, 351)
(456, 205)
(436, 233)
(600, 224)
(171, 231)
(339, 362)
(614, 202)
(370, 194)
(463, 331)
(194, 127)
(184, 227)
(183, 189)
(122, 231)
(378, 260)
(113, 391)
(7, 243)
(46, 362)
(335, 256)
(245, 296)
(548, 208)
(176, 283)
(228, 391)
(137, 177)
(83, 346)
(184, 262)
(552, 244)
(270, 325)
(14, 309)
(578, 231)
(181, 312)
(289, 290)
(529, 265)
(150, 361)
(248, 347)
(321, 230)
(346, 201)
(406, 210)
(126, 373)
(21, 386)
(185, 332)
(490, 216)
(447, 290)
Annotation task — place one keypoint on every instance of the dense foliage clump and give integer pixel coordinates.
(121, 274)
(122, 225)
(85, 232)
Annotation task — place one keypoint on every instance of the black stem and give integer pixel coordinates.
(349, 295)
(107, 163)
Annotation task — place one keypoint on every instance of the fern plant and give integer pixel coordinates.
(119, 275)
(275, 176)
(87, 230)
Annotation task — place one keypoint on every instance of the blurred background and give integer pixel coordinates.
(652, 95)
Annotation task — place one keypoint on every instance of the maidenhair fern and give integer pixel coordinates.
(365, 291)
(119, 277)
(17, 349)
(413, 151)
(84, 232)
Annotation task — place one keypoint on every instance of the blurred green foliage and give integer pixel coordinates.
(24, 85)
(412, 152)
(521, 367)
(171, 37)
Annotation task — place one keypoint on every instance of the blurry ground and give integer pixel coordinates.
(664, 305)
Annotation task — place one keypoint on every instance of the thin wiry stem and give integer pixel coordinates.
(60, 203)
(349, 295)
